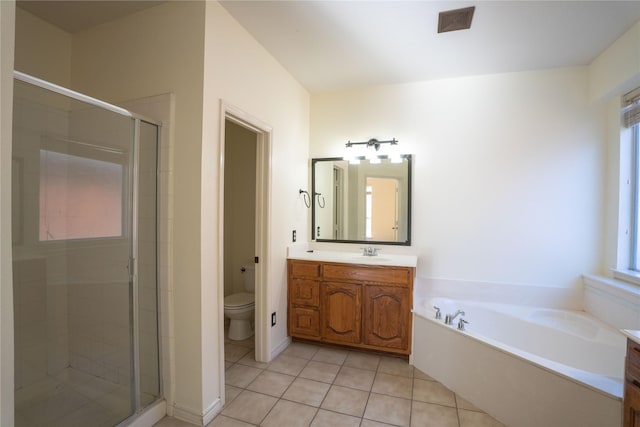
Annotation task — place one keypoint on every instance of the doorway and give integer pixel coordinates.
(381, 217)
(250, 159)
(239, 256)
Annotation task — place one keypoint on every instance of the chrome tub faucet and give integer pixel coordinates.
(449, 318)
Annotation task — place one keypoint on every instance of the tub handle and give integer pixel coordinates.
(438, 315)
(461, 324)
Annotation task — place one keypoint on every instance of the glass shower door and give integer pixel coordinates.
(145, 247)
(86, 348)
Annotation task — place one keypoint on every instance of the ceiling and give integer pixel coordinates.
(77, 15)
(332, 45)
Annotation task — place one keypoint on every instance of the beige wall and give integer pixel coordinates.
(616, 70)
(239, 71)
(613, 73)
(7, 28)
(155, 51)
(42, 49)
(508, 170)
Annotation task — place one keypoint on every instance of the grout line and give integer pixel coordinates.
(332, 384)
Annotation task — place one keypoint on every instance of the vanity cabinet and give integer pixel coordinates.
(364, 306)
(632, 385)
(304, 300)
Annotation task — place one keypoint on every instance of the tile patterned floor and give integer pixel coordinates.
(72, 398)
(320, 386)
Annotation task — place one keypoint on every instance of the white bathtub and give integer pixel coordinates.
(526, 366)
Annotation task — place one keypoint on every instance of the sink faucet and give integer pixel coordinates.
(369, 251)
(449, 318)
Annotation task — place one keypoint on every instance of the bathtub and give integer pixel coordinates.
(526, 366)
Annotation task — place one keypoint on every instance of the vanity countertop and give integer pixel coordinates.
(356, 258)
(632, 334)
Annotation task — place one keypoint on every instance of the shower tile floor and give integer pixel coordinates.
(72, 398)
(322, 386)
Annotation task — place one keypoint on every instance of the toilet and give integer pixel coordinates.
(240, 307)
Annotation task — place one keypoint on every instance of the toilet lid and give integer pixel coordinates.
(240, 299)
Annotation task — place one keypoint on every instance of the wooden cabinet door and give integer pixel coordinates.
(304, 292)
(387, 317)
(631, 405)
(631, 401)
(304, 322)
(341, 312)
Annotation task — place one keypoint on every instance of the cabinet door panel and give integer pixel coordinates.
(386, 313)
(304, 322)
(304, 269)
(341, 312)
(305, 292)
(366, 274)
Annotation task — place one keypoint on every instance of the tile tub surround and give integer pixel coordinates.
(317, 385)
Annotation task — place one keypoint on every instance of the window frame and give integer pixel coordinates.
(82, 149)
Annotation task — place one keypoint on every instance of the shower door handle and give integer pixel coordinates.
(131, 267)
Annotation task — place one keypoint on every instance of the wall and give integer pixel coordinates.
(42, 49)
(613, 73)
(258, 85)
(157, 51)
(239, 204)
(7, 29)
(508, 172)
(616, 70)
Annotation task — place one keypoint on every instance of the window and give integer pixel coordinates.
(80, 197)
(635, 202)
(631, 119)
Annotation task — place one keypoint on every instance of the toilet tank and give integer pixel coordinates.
(249, 277)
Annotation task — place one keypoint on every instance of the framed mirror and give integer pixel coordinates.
(361, 203)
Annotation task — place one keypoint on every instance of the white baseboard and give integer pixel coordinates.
(280, 347)
(211, 412)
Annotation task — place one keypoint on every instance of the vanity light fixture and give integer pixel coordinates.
(373, 157)
(372, 143)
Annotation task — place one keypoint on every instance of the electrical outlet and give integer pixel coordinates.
(273, 319)
(293, 236)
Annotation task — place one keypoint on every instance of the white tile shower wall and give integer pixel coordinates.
(30, 317)
(100, 335)
(612, 301)
(57, 328)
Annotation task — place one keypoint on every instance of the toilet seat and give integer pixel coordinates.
(239, 300)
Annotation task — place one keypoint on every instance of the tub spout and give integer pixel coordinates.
(449, 318)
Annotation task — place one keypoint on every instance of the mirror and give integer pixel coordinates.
(361, 203)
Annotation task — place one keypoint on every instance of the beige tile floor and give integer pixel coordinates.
(72, 398)
(318, 386)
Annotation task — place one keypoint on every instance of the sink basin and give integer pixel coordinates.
(370, 259)
(356, 258)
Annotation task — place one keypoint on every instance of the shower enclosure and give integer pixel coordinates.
(84, 223)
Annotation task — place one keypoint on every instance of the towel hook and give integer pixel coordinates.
(306, 197)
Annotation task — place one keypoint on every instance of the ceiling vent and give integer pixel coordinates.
(454, 20)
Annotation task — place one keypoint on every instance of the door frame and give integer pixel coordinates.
(263, 200)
